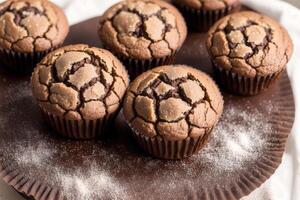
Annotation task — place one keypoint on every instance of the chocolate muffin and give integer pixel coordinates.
(249, 52)
(200, 15)
(29, 30)
(172, 110)
(79, 89)
(143, 34)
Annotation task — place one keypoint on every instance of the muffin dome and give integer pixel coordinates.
(142, 29)
(31, 25)
(249, 44)
(79, 82)
(174, 103)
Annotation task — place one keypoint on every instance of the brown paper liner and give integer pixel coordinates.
(79, 129)
(201, 20)
(171, 150)
(236, 84)
(22, 63)
(136, 67)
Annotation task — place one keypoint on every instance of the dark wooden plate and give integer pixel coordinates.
(40, 165)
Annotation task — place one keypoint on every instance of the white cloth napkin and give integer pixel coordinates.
(285, 183)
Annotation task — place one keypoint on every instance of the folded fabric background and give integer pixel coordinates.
(285, 183)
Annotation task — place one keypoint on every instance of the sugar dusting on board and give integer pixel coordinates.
(237, 140)
(91, 184)
(34, 155)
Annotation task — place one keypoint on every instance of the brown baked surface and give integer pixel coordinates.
(207, 4)
(249, 44)
(142, 29)
(79, 81)
(31, 25)
(174, 102)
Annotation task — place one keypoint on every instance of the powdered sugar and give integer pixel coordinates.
(90, 184)
(82, 183)
(237, 139)
(37, 156)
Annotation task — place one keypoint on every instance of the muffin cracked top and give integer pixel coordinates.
(31, 25)
(142, 29)
(207, 4)
(249, 44)
(79, 82)
(173, 102)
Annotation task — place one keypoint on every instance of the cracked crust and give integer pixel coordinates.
(31, 25)
(207, 4)
(249, 44)
(142, 30)
(79, 82)
(173, 102)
